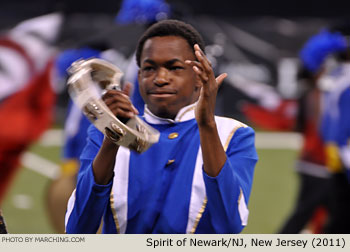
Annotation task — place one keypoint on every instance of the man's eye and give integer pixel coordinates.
(173, 68)
(148, 68)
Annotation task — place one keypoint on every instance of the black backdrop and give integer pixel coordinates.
(14, 10)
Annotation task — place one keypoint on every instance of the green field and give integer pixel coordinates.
(272, 197)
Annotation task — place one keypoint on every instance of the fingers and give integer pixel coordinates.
(127, 88)
(204, 77)
(221, 78)
(203, 67)
(119, 103)
(198, 68)
(194, 64)
(202, 59)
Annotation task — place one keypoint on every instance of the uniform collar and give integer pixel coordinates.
(185, 114)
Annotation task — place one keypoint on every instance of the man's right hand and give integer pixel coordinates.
(119, 102)
(120, 105)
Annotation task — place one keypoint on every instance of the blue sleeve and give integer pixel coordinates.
(75, 129)
(228, 193)
(88, 204)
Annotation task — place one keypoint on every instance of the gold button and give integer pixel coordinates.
(173, 135)
(170, 162)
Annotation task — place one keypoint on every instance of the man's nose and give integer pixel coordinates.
(162, 77)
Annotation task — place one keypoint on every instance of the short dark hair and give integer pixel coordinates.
(170, 28)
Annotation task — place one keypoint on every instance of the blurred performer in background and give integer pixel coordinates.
(313, 209)
(316, 187)
(315, 194)
(26, 92)
(312, 204)
(336, 130)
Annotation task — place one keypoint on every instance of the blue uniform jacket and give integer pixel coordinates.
(165, 189)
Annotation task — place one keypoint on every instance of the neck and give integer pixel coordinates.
(184, 114)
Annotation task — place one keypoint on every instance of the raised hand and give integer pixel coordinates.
(206, 103)
(213, 153)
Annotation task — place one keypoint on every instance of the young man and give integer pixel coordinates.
(196, 179)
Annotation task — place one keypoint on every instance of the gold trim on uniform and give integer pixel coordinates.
(231, 135)
(114, 213)
(199, 216)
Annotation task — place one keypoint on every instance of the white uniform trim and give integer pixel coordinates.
(243, 209)
(70, 207)
(119, 194)
(198, 195)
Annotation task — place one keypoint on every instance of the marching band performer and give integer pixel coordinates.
(196, 179)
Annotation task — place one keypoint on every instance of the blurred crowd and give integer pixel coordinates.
(33, 71)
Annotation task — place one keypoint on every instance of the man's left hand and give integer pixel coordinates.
(205, 108)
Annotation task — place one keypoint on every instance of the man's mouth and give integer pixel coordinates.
(161, 93)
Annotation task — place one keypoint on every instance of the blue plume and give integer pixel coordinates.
(142, 11)
(319, 46)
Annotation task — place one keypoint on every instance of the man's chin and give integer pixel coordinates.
(162, 111)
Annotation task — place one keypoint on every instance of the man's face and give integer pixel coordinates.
(167, 84)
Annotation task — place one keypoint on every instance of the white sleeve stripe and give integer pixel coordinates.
(198, 196)
(119, 194)
(70, 207)
(243, 209)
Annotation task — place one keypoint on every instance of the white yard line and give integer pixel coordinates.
(278, 140)
(40, 165)
(52, 137)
